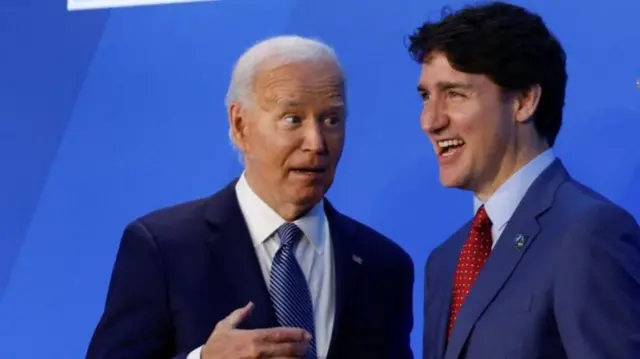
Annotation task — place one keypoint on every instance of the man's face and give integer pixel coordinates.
(471, 124)
(293, 134)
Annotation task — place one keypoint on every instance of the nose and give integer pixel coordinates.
(314, 138)
(433, 119)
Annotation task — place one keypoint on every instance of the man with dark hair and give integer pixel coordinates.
(547, 268)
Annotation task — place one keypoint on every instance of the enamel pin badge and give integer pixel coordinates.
(519, 241)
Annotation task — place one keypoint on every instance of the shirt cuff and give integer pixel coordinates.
(195, 354)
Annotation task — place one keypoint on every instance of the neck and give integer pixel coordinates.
(508, 167)
(287, 210)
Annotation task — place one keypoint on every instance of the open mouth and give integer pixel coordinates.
(309, 170)
(449, 147)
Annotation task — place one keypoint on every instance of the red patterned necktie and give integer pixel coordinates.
(473, 256)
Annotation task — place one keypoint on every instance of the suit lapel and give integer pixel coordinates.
(444, 287)
(232, 252)
(345, 270)
(512, 245)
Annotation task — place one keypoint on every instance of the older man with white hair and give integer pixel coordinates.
(266, 267)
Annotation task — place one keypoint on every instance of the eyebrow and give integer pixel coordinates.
(447, 85)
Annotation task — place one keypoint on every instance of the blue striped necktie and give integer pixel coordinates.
(288, 287)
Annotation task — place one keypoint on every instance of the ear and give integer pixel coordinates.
(238, 127)
(526, 103)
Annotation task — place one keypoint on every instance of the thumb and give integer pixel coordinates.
(238, 316)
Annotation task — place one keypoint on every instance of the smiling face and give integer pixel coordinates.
(292, 134)
(481, 135)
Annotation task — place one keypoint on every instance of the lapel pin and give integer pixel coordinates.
(519, 241)
(357, 259)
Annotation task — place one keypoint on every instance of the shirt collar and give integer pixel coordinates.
(503, 203)
(263, 221)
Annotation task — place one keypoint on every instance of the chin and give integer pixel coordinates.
(449, 179)
(309, 195)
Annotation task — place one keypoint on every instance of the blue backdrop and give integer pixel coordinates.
(108, 114)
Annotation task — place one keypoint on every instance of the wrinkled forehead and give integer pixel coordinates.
(311, 83)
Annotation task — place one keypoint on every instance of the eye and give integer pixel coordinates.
(455, 94)
(424, 95)
(292, 119)
(333, 120)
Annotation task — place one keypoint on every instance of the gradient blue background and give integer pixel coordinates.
(106, 115)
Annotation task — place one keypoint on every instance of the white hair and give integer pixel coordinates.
(269, 54)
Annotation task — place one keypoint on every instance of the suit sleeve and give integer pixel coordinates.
(404, 307)
(597, 287)
(426, 303)
(136, 322)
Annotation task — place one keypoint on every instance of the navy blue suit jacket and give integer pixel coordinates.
(181, 270)
(571, 289)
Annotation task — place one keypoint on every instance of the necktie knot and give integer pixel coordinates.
(481, 221)
(289, 234)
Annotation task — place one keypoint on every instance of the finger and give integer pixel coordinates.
(284, 350)
(237, 316)
(282, 335)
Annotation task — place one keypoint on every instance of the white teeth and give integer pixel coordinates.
(449, 143)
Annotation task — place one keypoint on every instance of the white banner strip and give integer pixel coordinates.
(73, 5)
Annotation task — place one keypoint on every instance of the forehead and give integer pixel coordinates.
(437, 70)
(300, 84)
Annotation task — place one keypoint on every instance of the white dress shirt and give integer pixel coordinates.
(503, 203)
(314, 253)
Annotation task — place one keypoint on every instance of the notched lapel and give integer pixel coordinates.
(507, 254)
(499, 266)
(442, 283)
(346, 269)
(233, 254)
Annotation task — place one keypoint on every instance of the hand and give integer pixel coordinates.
(228, 342)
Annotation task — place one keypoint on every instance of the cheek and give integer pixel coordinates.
(490, 143)
(284, 155)
(335, 142)
(467, 123)
(477, 129)
(268, 152)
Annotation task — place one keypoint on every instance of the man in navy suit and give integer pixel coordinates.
(266, 267)
(547, 268)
